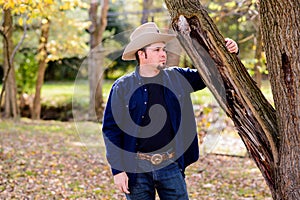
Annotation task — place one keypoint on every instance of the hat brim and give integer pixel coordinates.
(144, 40)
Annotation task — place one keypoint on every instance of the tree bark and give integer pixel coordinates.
(281, 33)
(9, 82)
(232, 86)
(96, 58)
(42, 65)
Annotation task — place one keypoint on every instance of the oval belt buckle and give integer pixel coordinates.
(156, 159)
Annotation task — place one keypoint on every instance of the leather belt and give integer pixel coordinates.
(157, 158)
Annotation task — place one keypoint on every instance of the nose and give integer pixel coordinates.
(163, 53)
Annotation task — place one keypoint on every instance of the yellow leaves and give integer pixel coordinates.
(214, 6)
(70, 5)
(242, 19)
(230, 4)
(65, 6)
(52, 50)
(20, 21)
(66, 30)
(43, 39)
(26, 6)
(22, 8)
(44, 21)
(8, 4)
(48, 1)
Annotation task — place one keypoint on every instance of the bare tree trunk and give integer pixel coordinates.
(146, 7)
(42, 65)
(281, 33)
(96, 58)
(9, 84)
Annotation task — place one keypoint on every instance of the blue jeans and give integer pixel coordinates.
(168, 182)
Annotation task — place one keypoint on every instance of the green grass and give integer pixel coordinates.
(58, 93)
(61, 93)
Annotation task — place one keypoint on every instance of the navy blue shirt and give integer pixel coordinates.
(127, 105)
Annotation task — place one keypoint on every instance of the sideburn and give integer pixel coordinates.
(137, 55)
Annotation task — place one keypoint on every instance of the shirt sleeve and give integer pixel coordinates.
(111, 132)
(193, 77)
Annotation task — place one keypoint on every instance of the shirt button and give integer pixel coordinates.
(143, 117)
(145, 90)
(145, 102)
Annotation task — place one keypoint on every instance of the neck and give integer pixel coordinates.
(148, 71)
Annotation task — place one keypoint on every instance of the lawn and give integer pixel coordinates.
(59, 92)
(62, 92)
(52, 160)
(66, 160)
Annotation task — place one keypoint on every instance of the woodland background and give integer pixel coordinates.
(56, 155)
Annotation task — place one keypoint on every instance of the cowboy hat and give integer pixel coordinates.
(142, 36)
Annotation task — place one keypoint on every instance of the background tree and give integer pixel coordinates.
(42, 64)
(96, 57)
(10, 89)
(20, 8)
(46, 52)
(147, 4)
(271, 137)
(51, 44)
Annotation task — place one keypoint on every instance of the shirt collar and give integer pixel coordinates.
(137, 74)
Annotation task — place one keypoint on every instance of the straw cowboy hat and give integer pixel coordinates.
(142, 36)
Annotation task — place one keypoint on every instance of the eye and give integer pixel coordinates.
(161, 49)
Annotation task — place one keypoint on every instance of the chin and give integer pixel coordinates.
(161, 66)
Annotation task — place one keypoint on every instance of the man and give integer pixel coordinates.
(149, 126)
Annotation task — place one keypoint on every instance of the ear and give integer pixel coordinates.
(141, 53)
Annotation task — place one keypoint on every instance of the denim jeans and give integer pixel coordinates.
(167, 181)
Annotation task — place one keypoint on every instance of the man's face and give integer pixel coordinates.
(154, 55)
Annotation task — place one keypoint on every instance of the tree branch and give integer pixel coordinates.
(21, 40)
(9, 66)
(11, 58)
